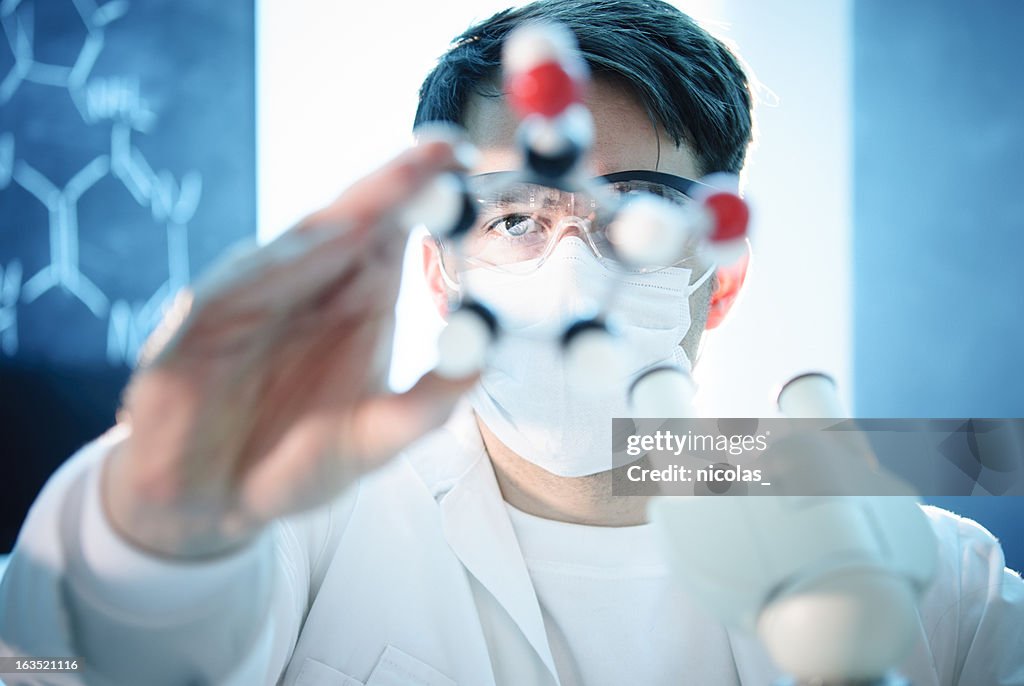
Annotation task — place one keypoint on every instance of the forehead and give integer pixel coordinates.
(625, 136)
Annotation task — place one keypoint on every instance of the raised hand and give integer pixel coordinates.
(266, 393)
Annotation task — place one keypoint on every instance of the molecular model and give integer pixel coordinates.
(546, 80)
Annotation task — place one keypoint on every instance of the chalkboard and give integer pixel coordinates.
(127, 164)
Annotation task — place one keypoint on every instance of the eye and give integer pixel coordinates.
(513, 225)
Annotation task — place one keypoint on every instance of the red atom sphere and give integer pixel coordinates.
(546, 89)
(731, 216)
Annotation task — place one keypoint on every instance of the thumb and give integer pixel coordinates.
(386, 424)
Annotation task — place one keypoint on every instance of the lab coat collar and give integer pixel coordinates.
(454, 466)
(751, 660)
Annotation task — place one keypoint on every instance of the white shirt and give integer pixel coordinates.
(413, 576)
(611, 611)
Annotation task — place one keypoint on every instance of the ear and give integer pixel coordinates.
(730, 281)
(432, 269)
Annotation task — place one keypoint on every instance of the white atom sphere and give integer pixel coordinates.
(725, 253)
(463, 344)
(716, 182)
(650, 231)
(537, 43)
(663, 392)
(438, 205)
(810, 395)
(845, 628)
(579, 123)
(594, 360)
(551, 137)
(546, 136)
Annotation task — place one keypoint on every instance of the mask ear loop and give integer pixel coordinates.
(451, 283)
(703, 336)
(455, 292)
(700, 282)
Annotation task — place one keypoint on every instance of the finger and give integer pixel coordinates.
(310, 245)
(293, 259)
(371, 200)
(247, 297)
(315, 272)
(384, 425)
(299, 264)
(307, 381)
(305, 467)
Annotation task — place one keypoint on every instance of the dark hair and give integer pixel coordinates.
(687, 80)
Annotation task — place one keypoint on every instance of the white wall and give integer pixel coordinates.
(796, 310)
(337, 93)
(337, 86)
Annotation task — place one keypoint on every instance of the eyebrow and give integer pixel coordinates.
(510, 197)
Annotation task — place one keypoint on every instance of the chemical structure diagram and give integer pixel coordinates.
(114, 102)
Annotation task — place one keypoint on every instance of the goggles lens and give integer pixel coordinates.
(519, 223)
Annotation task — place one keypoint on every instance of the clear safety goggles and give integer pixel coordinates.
(519, 223)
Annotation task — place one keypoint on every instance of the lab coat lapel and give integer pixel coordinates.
(754, 666)
(477, 527)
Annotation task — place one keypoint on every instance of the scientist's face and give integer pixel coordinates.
(626, 139)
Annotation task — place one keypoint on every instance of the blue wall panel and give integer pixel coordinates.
(939, 220)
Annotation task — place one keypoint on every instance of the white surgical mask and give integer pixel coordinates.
(524, 396)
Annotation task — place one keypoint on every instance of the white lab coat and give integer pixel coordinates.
(413, 577)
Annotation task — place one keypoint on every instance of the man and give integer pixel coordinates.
(248, 520)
